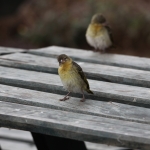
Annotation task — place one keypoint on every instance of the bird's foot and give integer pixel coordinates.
(102, 51)
(65, 98)
(82, 100)
(95, 50)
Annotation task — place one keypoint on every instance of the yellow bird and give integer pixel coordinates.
(99, 34)
(72, 77)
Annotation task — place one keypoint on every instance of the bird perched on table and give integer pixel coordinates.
(72, 77)
(99, 34)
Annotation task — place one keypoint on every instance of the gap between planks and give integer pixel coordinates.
(103, 91)
(75, 126)
(9, 50)
(90, 107)
(96, 71)
(125, 61)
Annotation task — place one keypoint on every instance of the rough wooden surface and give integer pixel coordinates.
(75, 126)
(103, 91)
(22, 140)
(89, 56)
(95, 108)
(30, 91)
(98, 72)
(8, 50)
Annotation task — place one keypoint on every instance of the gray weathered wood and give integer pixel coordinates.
(92, 57)
(8, 50)
(25, 138)
(103, 91)
(94, 120)
(99, 72)
(96, 71)
(91, 107)
(75, 126)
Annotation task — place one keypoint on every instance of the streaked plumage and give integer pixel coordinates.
(72, 76)
(99, 34)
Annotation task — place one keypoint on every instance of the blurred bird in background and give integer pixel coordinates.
(99, 34)
(72, 77)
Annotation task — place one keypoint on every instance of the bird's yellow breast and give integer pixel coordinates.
(94, 29)
(67, 73)
(64, 70)
(70, 78)
(64, 67)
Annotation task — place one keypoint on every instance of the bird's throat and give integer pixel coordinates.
(65, 67)
(95, 28)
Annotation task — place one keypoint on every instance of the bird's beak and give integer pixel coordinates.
(61, 61)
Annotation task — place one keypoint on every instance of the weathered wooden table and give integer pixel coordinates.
(117, 114)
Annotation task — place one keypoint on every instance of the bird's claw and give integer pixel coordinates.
(102, 52)
(65, 98)
(95, 50)
(82, 100)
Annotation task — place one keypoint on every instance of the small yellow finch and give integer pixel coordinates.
(72, 77)
(99, 34)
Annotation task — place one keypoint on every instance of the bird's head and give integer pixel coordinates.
(64, 59)
(98, 18)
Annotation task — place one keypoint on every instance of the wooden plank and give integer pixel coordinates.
(8, 50)
(103, 91)
(140, 63)
(23, 136)
(75, 126)
(90, 107)
(30, 62)
(96, 71)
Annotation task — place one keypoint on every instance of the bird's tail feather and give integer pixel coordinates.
(89, 91)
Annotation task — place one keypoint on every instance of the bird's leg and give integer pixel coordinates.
(83, 99)
(66, 97)
(96, 50)
(102, 51)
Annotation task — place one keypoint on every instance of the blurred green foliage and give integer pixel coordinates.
(64, 22)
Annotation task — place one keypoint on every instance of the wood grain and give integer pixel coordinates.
(91, 107)
(103, 91)
(22, 140)
(75, 126)
(8, 50)
(96, 71)
(140, 63)
(29, 99)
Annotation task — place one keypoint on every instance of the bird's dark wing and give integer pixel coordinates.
(110, 33)
(81, 73)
